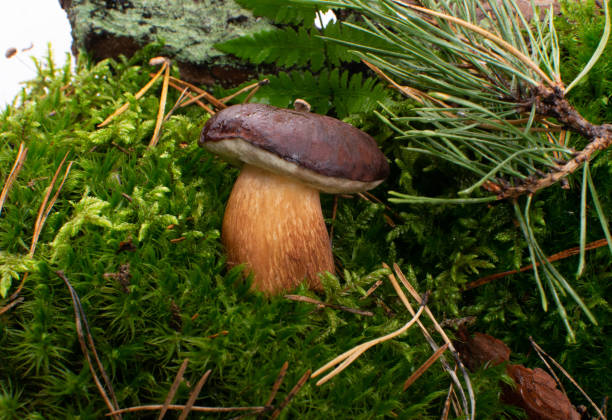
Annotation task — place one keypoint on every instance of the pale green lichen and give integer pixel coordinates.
(189, 29)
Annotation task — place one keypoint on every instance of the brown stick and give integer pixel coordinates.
(423, 368)
(305, 299)
(194, 395)
(173, 389)
(551, 103)
(291, 394)
(555, 257)
(155, 407)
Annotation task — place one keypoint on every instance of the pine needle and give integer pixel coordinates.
(140, 93)
(12, 176)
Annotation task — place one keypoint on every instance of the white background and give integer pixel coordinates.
(25, 23)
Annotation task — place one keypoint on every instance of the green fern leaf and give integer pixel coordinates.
(284, 47)
(344, 93)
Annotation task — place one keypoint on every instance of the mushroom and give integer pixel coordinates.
(273, 221)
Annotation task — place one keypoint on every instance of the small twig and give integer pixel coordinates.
(173, 389)
(540, 351)
(424, 366)
(371, 289)
(12, 303)
(10, 179)
(155, 407)
(275, 387)
(291, 394)
(277, 383)
(194, 395)
(305, 299)
(447, 402)
(348, 357)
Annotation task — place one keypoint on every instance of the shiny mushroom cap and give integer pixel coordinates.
(319, 151)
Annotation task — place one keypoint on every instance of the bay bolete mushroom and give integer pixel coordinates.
(273, 221)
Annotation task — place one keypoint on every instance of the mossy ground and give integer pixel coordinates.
(179, 299)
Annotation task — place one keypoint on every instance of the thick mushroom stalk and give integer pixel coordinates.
(274, 225)
(273, 221)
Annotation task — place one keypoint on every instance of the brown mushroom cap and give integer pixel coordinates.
(320, 151)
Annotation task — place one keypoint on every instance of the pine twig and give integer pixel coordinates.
(305, 299)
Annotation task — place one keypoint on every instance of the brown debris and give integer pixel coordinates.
(122, 276)
(536, 391)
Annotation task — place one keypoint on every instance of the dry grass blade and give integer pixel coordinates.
(80, 321)
(173, 389)
(417, 374)
(162, 108)
(348, 357)
(138, 94)
(197, 409)
(542, 353)
(194, 395)
(305, 299)
(10, 179)
(291, 394)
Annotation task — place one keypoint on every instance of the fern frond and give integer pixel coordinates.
(284, 47)
(344, 93)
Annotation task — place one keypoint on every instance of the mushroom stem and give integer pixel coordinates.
(275, 226)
